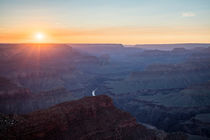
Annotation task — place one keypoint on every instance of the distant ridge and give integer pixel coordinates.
(96, 45)
(170, 46)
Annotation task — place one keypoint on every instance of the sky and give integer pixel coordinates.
(105, 21)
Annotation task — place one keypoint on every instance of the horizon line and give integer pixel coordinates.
(106, 43)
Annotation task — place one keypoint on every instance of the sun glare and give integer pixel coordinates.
(39, 36)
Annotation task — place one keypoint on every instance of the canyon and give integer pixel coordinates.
(167, 88)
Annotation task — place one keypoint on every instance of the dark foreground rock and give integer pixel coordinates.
(90, 118)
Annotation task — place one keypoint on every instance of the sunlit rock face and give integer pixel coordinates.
(88, 118)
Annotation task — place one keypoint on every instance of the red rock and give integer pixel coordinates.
(90, 118)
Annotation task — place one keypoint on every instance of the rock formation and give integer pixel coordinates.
(90, 118)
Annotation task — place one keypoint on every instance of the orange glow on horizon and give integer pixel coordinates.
(136, 22)
(124, 35)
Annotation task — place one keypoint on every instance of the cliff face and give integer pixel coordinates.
(88, 118)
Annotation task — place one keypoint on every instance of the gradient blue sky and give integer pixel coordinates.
(106, 21)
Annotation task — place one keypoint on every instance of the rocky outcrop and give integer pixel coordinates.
(85, 119)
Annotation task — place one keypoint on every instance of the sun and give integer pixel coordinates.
(39, 36)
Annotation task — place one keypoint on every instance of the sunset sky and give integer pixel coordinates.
(105, 21)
